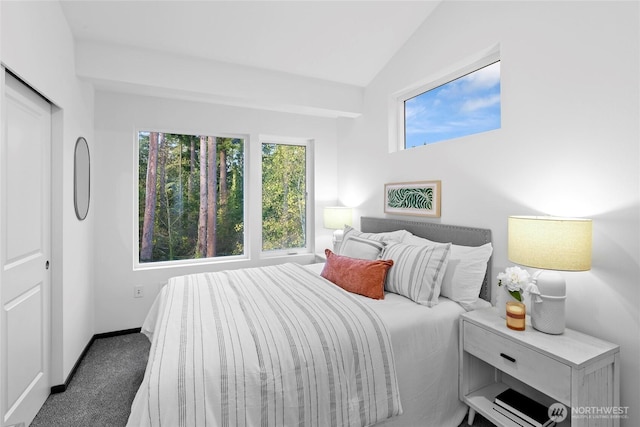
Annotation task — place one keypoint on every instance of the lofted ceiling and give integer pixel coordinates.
(338, 41)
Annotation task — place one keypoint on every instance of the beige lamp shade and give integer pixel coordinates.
(551, 243)
(336, 217)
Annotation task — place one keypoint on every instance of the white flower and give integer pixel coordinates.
(518, 282)
(514, 278)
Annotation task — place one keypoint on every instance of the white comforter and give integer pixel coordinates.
(270, 346)
(425, 347)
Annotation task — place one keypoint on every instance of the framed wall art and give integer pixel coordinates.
(413, 198)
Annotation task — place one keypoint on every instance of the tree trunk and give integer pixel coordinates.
(212, 199)
(164, 205)
(162, 176)
(192, 169)
(224, 192)
(201, 249)
(146, 250)
(285, 189)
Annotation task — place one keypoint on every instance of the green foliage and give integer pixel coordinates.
(175, 223)
(175, 230)
(284, 195)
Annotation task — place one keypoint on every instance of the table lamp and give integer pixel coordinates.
(335, 218)
(550, 243)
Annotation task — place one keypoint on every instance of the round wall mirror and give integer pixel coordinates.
(81, 178)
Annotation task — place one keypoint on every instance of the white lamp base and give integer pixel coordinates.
(548, 316)
(337, 239)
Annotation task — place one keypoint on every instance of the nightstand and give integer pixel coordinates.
(575, 369)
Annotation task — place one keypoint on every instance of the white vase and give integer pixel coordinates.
(501, 301)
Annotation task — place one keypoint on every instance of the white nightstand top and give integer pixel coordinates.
(572, 347)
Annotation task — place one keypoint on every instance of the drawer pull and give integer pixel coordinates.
(509, 358)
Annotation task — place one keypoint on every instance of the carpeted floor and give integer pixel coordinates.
(101, 392)
(478, 421)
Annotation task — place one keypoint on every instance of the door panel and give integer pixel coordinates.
(25, 215)
(24, 347)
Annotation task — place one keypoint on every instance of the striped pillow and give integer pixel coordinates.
(396, 236)
(417, 271)
(358, 247)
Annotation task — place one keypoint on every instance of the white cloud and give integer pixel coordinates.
(413, 110)
(484, 78)
(478, 103)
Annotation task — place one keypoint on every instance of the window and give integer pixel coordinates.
(464, 105)
(190, 196)
(284, 196)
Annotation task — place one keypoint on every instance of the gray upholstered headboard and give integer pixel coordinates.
(458, 235)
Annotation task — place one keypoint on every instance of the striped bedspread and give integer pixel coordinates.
(269, 346)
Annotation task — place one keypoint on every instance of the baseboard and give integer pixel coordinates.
(63, 387)
(116, 333)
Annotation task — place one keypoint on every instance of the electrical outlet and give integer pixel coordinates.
(138, 291)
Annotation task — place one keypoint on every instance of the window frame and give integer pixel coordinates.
(137, 265)
(397, 119)
(309, 217)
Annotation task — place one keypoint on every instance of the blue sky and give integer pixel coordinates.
(467, 105)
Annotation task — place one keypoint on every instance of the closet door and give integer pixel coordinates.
(25, 234)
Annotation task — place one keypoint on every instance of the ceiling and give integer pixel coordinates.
(339, 41)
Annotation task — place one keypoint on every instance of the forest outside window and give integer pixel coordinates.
(190, 196)
(284, 196)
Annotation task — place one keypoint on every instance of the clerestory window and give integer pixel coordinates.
(460, 104)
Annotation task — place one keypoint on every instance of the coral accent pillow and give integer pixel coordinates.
(359, 276)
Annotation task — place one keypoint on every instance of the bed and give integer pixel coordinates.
(283, 346)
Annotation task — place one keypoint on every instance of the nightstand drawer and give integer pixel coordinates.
(529, 366)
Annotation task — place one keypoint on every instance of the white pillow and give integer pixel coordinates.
(417, 271)
(358, 247)
(396, 236)
(465, 271)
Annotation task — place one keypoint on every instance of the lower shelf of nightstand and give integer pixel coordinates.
(482, 401)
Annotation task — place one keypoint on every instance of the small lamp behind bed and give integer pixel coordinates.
(335, 218)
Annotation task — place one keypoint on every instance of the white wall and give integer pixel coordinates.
(117, 117)
(116, 66)
(568, 144)
(38, 47)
